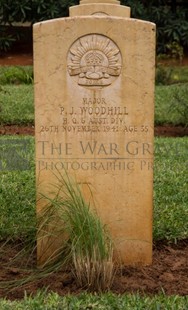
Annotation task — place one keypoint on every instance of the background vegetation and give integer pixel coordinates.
(172, 25)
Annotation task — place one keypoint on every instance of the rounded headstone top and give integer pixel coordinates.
(99, 1)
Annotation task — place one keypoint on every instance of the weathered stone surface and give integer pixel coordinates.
(94, 95)
(99, 1)
(100, 9)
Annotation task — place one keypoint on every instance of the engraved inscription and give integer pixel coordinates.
(96, 125)
(100, 14)
(94, 60)
(95, 114)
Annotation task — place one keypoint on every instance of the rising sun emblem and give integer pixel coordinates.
(94, 60)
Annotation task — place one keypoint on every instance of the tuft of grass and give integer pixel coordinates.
(16, 75)
(86, 244)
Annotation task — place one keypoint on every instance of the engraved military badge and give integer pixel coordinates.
(94, 60)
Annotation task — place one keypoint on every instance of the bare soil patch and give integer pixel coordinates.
(164, 131)
(168, 273)
(20, 55)
(16, 59)
(17, 130)
(171, 131)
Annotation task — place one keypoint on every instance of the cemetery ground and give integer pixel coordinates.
(164, 284)
(156, 284)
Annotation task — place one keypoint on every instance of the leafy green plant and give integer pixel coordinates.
(137, 7)
(175, 50)
(163, 75)
(6, 40)
(16, 75)
(28, 11)
(86, 244)
(33, 11)
(171, 26)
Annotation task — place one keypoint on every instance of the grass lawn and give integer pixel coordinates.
(16, 104)
(17, 188)
(170, 188)
(180, 74)
(171, 74)
(171, 104)
(52, 301)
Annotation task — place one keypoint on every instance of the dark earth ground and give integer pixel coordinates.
(164, 131)
(167, 274)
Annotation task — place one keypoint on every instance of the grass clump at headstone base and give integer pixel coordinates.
(86, 244)
(17, 193)
(52, 301)
(90, 257)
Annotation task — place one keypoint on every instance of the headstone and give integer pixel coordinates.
(94, 107)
